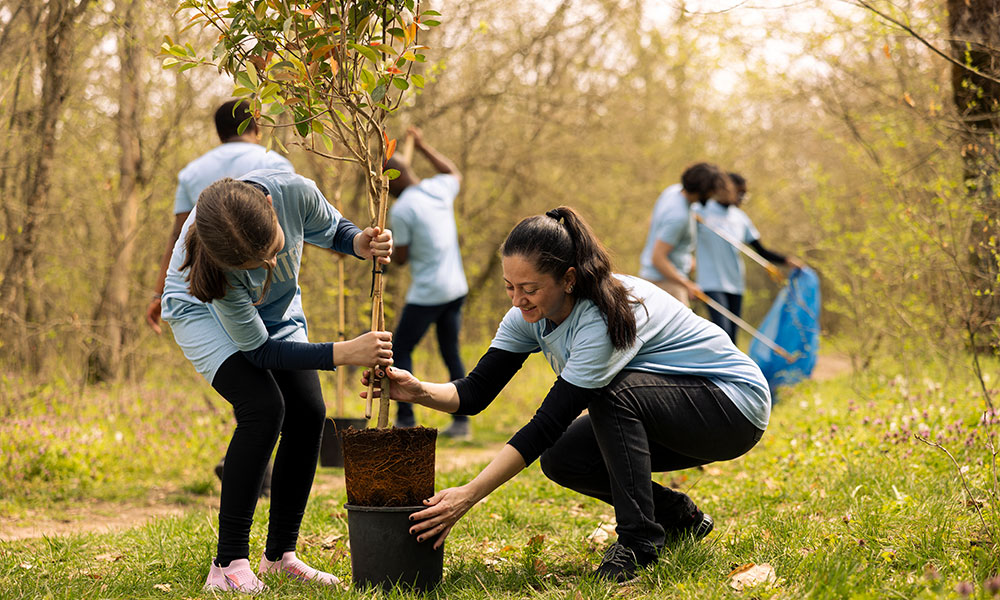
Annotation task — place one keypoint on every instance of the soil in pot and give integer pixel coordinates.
(389, 467)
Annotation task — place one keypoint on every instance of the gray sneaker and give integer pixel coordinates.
(458, 430)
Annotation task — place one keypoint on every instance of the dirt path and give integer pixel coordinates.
(107, 517)
(829, 366)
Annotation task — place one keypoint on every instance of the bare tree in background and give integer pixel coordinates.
(111, 314)
(974, 26)
(58, 22)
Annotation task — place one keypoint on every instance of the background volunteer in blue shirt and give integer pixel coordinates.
(234, 305)
(667, 258)
(426, 236)
(664, 390)
(721, 273)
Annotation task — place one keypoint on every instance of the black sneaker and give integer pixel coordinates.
(458, 430)
(701, 525)
(621, 563)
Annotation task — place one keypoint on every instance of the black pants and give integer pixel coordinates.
(645, 423)
(413, 324)
(268, 405)
(733, 302)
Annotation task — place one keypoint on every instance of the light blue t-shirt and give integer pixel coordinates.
(211, 333)
(720, 265)
(672, 224)
(231, 159)
(671, 339)
(423, 218)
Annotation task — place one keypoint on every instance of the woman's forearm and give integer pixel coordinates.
(506, 464)
(439, 396)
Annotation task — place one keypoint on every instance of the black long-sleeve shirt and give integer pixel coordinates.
(563, 403)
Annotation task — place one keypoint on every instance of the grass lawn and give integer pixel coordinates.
(839, 498)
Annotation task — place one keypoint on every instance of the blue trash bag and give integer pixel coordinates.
(793, 324)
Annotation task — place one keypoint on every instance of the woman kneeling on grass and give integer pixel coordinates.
(664, 389)
(233, 302)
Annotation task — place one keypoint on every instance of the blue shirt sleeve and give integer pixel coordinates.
(672, 229)
(514, 334)
(183, 202)
(399, 222)
(322, 224)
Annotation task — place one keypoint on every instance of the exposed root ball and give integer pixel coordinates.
(389, 467)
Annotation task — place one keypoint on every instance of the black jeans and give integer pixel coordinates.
(645, 423)
(733, 302)
(413, 324)
(268, 404)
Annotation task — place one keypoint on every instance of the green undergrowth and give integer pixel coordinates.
(839, 497)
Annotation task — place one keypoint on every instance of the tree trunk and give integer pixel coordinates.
(975, 29)
(18, 286)
(112, 313)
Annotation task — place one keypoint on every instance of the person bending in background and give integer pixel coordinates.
(667, 259)
(721, 273)
(236, 155)
(233, 302)
(663, 388)
(423, 221)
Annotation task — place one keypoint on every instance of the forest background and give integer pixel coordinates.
(867, 133)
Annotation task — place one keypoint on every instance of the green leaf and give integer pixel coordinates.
(433, 13)
(366, 52)
(302, 128)
(242, 91)
(379, 93)
(327, 141)
(367, 79)
(243, 125)
(276, 109)
(430, 23)
(169, 62)
(391, 174)
(252, 74)
(187, 67)
(418, 80)
(400, 83)
(244, 80)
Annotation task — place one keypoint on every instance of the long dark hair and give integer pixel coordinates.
(234, 224)
(561, 239)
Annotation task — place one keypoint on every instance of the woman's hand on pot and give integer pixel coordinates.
(444, 509)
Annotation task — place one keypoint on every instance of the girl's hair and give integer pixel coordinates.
(561, 239)
(234, 224)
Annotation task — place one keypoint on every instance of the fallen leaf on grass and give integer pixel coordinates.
(600, 535)
(109, 556)
(750, 575)
(26, 565)
(163, 587)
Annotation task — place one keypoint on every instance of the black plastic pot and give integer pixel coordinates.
(384, 554)
(331, 452)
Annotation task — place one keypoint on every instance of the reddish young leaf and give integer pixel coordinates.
(390, 149)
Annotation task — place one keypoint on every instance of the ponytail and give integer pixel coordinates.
(206, 280)
(561, 239)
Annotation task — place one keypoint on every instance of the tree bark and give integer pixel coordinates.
(975, 29)
(112, 315)
(18, 287)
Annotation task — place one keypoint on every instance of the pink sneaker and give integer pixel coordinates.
(237, 577)
(290, 564)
